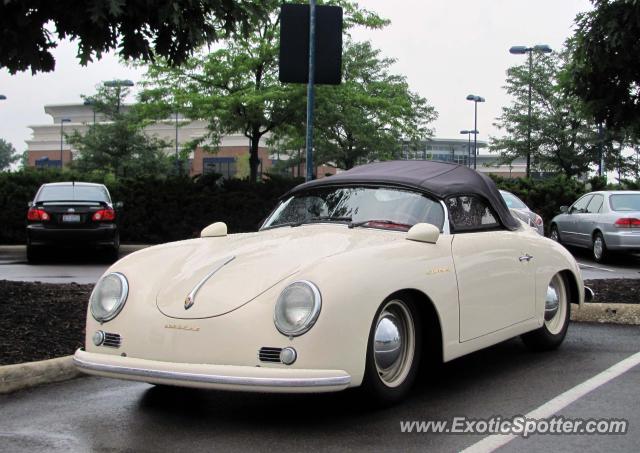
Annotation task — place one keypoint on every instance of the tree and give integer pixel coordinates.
(603, 69)
(561, 136)
(7, 154)
(138, 29)
(119, 146)
(236, 87)
(366, 117)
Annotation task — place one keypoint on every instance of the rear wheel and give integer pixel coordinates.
(554, 235)
(113, 253)
(393, 352)
(34, 254)
(599, 248)
(557, 312)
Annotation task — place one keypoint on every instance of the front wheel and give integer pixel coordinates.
(557, 311)
(393, 352)
(554, 235)
(599, 248)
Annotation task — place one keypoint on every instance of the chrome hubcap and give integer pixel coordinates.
(394, 343)
(554, 235)
(555, 307)
(597, 247)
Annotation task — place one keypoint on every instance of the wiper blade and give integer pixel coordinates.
(379, 221)
(325, 218)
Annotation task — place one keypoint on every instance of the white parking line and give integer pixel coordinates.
(495, 441)
(594, 267)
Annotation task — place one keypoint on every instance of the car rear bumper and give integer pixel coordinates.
(221, 377)
(628, 240)
(103, 234)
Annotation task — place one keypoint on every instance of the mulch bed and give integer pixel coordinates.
(41, 321)
(615, 290)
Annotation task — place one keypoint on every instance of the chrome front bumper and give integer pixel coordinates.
(222, 377)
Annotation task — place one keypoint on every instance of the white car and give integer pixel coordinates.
(523, 212)
(351, 282)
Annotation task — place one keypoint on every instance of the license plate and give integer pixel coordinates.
(71, 218)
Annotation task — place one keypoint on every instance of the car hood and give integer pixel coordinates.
(228, 272)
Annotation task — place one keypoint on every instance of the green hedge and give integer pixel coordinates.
(167, 209)
(155, 210)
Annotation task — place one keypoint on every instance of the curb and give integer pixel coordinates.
(24, 375)
(607, 313)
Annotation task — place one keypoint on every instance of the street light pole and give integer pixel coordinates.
(475, 131)
(521, 50)
(62, 121)
(311, 87)
(118, 84)
(475, 99)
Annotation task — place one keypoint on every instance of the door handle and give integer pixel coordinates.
(526, 257)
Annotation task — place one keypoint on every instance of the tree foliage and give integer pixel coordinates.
(366, 117)
(137, 29)
(7, 154)
(562, 138)
(236, 88)
(603, 69)
(118, 146)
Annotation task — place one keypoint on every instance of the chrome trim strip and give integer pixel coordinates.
(335, 381)
(191, 297)
(588, 294)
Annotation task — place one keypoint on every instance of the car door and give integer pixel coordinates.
(587, 222)
(496, 283)
(570, 227)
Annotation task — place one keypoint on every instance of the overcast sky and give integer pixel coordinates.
(446, 48)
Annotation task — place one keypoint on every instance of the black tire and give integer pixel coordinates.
(551, 335)
(113, 252)
(599, 250)
(554, 234)
(381, 390)
(34, 254)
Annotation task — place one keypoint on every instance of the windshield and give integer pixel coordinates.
(73, 193)
(625, 202)
(512, 201)
(376, 207)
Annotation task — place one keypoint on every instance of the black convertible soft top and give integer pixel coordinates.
(439, 179)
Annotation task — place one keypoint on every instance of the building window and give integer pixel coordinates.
(45, 162)
(225, 166)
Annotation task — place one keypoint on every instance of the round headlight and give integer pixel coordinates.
(108, 297)
(297, 308)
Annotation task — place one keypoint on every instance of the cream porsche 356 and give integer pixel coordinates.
(351, 281)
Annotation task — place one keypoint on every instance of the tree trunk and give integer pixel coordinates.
(254, 160)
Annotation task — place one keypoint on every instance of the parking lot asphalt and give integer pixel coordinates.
(98, 414)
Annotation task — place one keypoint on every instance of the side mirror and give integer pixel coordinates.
(214, 230)
(424, 232)
(564, 209)
(30, 204)
(118, 204)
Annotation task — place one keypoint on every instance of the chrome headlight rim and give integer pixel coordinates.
(311, 319)
(124, 293)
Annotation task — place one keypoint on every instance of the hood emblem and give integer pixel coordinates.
(191, 297)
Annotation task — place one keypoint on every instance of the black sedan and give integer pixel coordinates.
(72, 214)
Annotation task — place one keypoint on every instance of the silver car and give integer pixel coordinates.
(603, 221)
(523, 212)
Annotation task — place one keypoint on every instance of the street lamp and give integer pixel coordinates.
(92, 103)
(521, 50)
(475, 99)
(118, 84)
(469, 143)
(62, 121)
